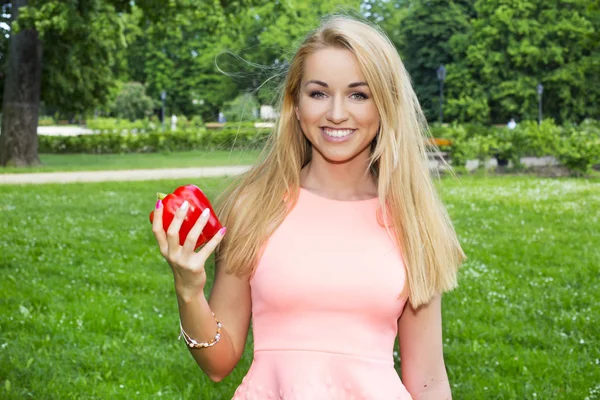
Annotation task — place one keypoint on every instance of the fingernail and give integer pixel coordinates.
(205, 213)
(158, 204)
(185, 205)
(222, 231)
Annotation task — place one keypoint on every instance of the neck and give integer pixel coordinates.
(342, 181)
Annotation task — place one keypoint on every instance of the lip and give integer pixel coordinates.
(335, 139)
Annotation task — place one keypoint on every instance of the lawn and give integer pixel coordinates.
(87, 307)
(96, 162)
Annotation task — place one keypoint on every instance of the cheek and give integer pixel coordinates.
(367, 116)
(310, 111)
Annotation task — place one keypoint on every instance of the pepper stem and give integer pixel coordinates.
(161, 195)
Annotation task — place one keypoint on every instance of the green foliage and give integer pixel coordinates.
(245, 107)
(269, 36)
(113, 125)
(229, 138)
(483, 148)
(459, 150)
(389, 16)
(508, 144)
(495, 52)
(81, 41)
(514, 45)
(46, 121)
(132, 103)
(541, 140)
(576, 147)
(579, 147)
(428, 27)
(466, 100)
(183, 57)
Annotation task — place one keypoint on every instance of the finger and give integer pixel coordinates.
(212, 244)
(173, 230)
(159, 232)
(192, 238)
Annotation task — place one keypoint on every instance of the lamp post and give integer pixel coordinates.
(163, 97)
(441, 75)
(540, 90)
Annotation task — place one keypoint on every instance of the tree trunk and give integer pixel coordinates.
(18, 139)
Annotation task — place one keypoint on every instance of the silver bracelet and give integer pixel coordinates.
(192, 344)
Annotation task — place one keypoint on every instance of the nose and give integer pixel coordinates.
(337, 112)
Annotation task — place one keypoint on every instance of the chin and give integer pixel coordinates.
(338, 158)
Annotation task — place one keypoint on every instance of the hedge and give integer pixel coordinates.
(181, 140)
(575, 146)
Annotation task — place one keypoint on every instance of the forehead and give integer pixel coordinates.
(334, 66)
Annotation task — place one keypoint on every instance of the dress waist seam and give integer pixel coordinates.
(324, 352)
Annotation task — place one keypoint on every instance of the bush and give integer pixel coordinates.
(180, 140)
(242, 108)
(579, 147)
(460, 150)
(507, 144)
(482, 147)
(46, 121)
(132, 103)
(113, 125)
(540, 140)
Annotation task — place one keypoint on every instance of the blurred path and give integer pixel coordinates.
(121, 175)
(176, 173)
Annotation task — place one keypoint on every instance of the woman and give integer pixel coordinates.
(337, 242)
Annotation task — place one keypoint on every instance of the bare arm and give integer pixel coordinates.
(229, 299)
(421, 351)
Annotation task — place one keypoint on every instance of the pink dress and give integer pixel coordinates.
(325, 306)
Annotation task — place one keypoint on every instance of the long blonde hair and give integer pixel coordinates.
(253, 206)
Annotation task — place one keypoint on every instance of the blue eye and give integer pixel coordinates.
(317, 95)
(359, 96)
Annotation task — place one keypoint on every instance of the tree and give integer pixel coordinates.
(76, 46)
(389, 15)
(18, 139)
(61, 52)
(272, 32)
(204, 66)
(514, 45)
(427, 29)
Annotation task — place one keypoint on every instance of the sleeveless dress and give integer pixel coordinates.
(325, 306)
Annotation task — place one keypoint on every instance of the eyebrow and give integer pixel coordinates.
(352, 85)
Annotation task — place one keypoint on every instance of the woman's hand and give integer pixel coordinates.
(187, 265)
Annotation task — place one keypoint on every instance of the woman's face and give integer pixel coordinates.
(335, 106)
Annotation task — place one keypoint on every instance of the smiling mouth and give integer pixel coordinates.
(338, 133)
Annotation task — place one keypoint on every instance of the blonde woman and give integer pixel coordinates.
(336, 244)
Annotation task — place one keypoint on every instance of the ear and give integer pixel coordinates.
(297, 113)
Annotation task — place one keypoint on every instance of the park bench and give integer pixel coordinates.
(438, 155)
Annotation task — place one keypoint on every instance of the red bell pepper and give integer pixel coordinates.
(198, 202)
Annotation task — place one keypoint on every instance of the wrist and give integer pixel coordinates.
(187, 294)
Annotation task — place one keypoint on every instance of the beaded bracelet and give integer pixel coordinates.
(195, 345)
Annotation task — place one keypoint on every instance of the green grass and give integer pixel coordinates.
(87, 307)
(97, 162)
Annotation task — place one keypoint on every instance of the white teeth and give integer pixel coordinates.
(338, 132)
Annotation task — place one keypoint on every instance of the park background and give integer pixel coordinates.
(87, 308)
